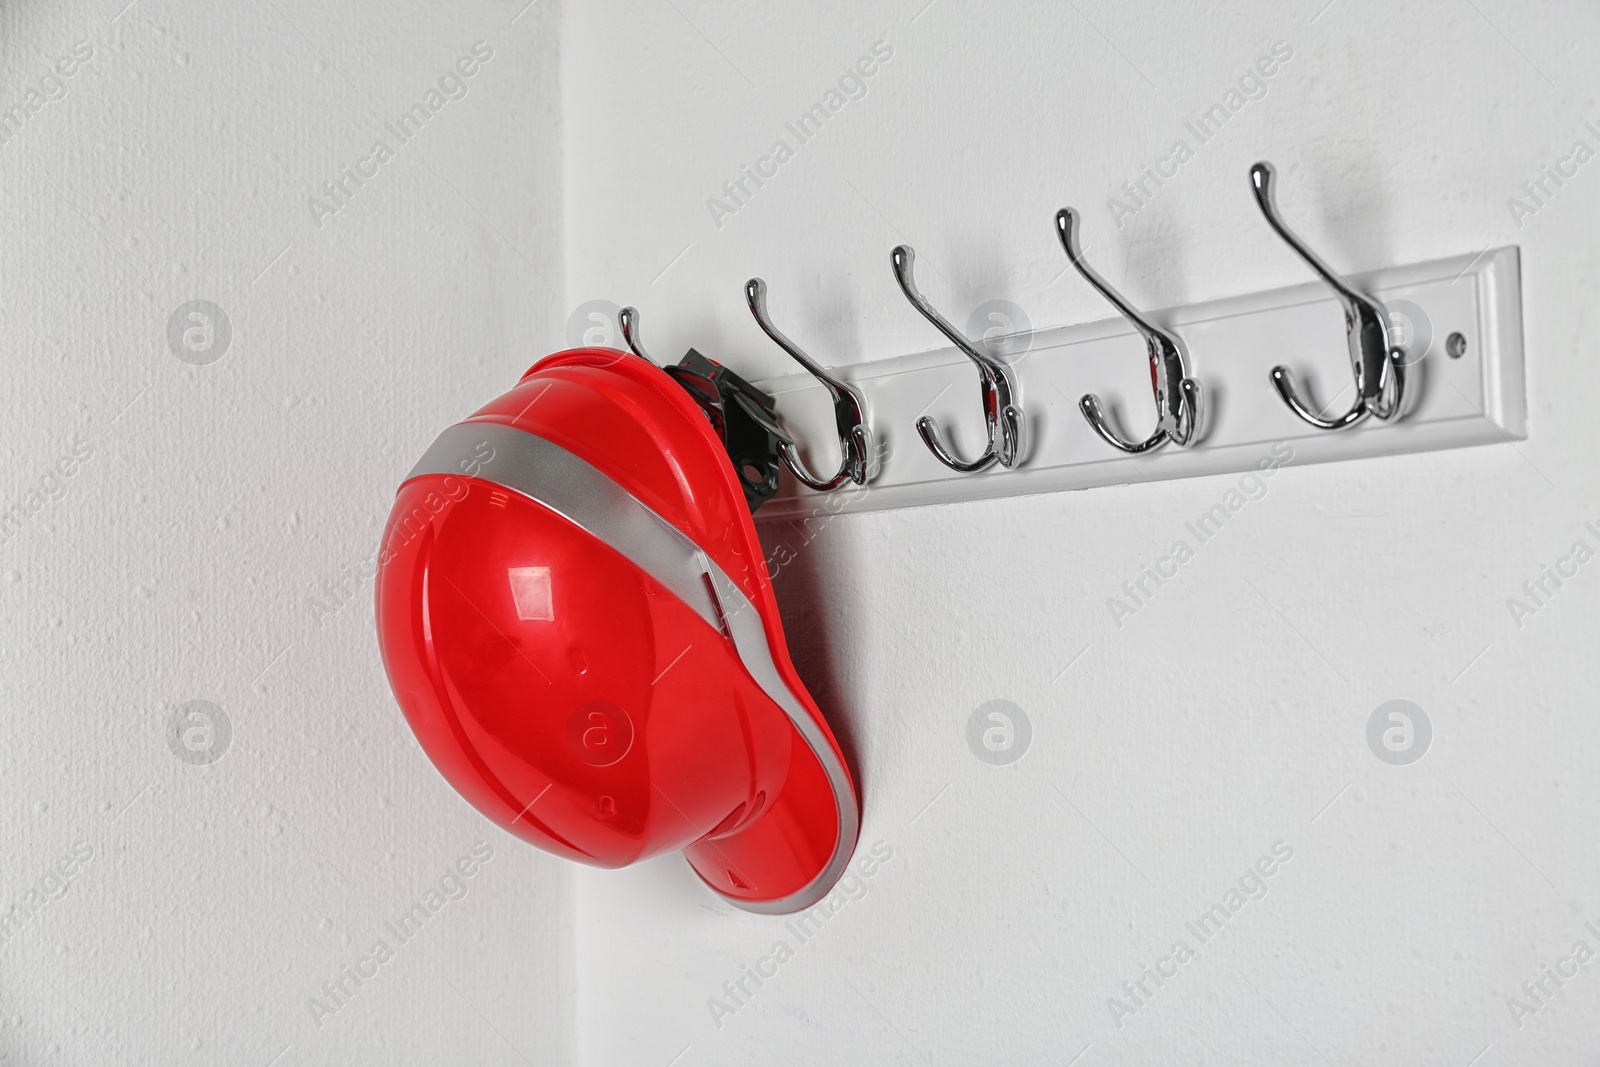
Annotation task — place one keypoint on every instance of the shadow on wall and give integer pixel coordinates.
(806, 589)
(1352, 184)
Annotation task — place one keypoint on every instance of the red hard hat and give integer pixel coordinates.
(576, 619)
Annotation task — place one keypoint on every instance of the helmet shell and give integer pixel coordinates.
(576, 620)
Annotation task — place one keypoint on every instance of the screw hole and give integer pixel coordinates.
(754, 475)
(1455, 346)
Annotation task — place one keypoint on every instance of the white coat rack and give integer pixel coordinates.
(1465, 388)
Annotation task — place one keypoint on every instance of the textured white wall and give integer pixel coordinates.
(1229, 714)
(180, 560)
(177, 560)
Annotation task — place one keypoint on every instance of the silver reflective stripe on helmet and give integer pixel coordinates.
(590, 499)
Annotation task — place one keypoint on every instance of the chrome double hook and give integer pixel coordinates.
(1380, 373)
(849, 407)
(1178, 396)
(628, 322)
(1002, 407)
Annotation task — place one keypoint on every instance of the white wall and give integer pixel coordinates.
(1169, 756)
(219, 500)
(1226, 715)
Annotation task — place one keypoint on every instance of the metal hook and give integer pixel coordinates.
(1002, 410)
(849, 407)
(1379, 370)
(1178, 397)
(628, 320)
